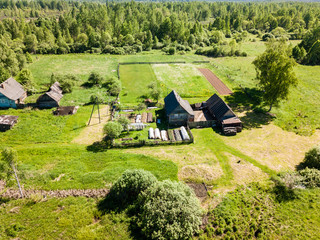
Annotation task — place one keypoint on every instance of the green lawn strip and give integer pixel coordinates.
(66, 218)
(41, 126)
(135, 79)
(40, 166)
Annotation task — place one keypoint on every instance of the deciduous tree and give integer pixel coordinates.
(275, 72)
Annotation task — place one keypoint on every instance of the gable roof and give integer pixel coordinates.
(173, 100)
(56, 96)
(12, 89)
(56, 87)
(218, 107)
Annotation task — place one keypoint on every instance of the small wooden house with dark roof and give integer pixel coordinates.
(51, 98)
(7, 122)
(12, 93)
(178, 111)
(223, 113)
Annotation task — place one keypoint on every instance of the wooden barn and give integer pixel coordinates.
(224, 115)
(7, 122)
(178, 111)
(12, 94)
(51, 98)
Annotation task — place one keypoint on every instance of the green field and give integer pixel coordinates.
(49, 160)
(135, 80)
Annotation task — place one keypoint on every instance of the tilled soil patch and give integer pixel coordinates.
(215, 82)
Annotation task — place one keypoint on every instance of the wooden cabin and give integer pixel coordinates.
(7, 122)
(51, 98)
(178, 111)
(12, 94)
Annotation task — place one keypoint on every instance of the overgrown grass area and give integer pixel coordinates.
(41, 126)
(69, 218)
(80, 65)
(254, 212)
(135, 79)
(40, 166)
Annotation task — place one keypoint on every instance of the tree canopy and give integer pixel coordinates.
(275, 73)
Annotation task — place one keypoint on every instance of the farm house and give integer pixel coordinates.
(7, 122)
(12, 94)
(178, 111)
(51, 98)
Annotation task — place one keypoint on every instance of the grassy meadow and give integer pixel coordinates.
(51, 159)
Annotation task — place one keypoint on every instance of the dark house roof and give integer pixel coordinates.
(219, 108)
(8, 120)
(12, 89)
(173, 100)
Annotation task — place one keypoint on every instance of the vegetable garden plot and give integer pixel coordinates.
(215, 82)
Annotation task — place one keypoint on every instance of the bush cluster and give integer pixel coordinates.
(163, 210)
(218, 51)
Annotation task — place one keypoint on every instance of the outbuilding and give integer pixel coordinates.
(12, 94)
(178, 111)
(7, 122)
(51, 98)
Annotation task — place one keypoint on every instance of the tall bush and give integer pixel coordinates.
(169, 210)
(312, 159)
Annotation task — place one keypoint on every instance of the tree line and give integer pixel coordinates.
(60, 27)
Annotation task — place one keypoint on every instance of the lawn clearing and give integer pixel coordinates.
(135, 79)
(185, 79)
(41, 126)
(270, 145)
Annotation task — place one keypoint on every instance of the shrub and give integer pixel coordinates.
(126, 189)
(267, 36)
(66, 81)
(312, 159)
(95, 78)
(310, 177)
(112, 130)
(172, 51)
(169, 210)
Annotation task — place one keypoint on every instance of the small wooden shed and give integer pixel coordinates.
(51, 98)
(7, 122)
(68, 110)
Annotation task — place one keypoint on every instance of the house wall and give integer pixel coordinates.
(45, 101)
(6, 102)
(178, 117)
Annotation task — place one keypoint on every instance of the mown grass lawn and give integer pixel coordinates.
(186, 79)
(135, 79)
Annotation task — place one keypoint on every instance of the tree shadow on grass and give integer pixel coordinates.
(249, 102)
(99, 146)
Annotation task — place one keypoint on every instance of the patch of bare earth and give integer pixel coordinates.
(94, 132)
(194, 164)
(270, 145)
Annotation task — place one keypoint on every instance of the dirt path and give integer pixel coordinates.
(89, 193)
(94, 132)
(215, 82)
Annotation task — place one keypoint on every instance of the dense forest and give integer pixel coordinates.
(60, 27)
